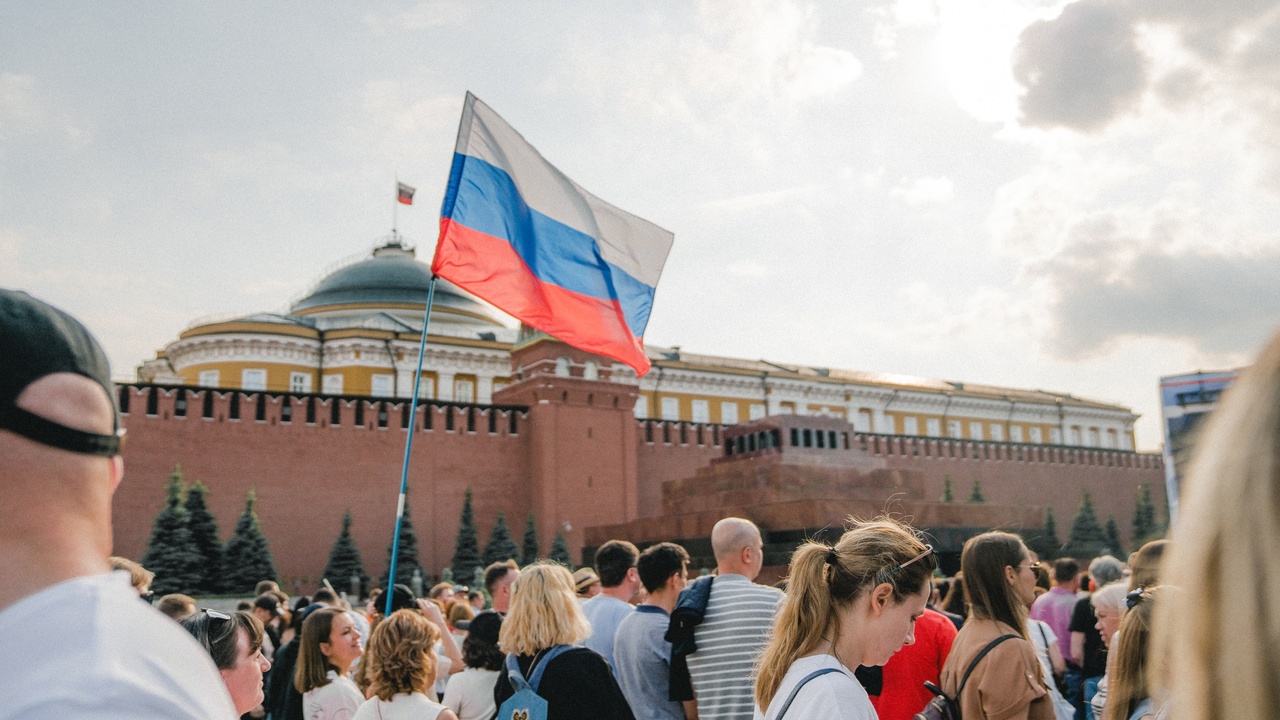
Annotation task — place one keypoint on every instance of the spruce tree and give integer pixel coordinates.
(1046, 544)
(1087, 537)
(345, 562)
(500, 546)
(1113, 538)
(466, 549)
(947, 494)
(407, 558)
(976, 495)
(171, 554)
(529, 551)
(204, 535)
(1144, 518)
(560, 551)
(246, 558)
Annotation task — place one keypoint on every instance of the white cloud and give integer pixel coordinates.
(749, 269)
(922, 191)
(424, 16)
(754, 201)
(24, 112)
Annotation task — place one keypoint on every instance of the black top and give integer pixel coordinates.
(577, 685)
(1095, 653)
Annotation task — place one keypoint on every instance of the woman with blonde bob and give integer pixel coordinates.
(1217, 624)
(401, 666)
(544, 613)
(854, 603)
(1006, 683)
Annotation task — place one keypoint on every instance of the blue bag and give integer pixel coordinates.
(526, 704)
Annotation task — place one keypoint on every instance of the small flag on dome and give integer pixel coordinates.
(518, 233)
(404, 193)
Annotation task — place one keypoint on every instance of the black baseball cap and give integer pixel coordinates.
(37, 339)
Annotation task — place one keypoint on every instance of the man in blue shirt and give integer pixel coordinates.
(616, 566)
(641, 655)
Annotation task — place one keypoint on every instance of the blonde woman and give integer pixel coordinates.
(1129, 697)
(401, 665)
(1109, 609)
(545, 620)
(327, 648)
(1006, 682)
(854, 603)
(1216, 626)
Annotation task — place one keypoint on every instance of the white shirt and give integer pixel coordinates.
(470, 694)
(834, 696)
(90, 648)
(605, 615)
(338, 700)
(402, 706)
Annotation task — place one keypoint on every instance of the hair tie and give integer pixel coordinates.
(832, 559)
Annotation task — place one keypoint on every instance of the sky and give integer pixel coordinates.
(1077, 197)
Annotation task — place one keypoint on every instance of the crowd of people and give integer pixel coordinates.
(861, 628)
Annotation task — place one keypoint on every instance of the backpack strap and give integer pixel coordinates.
(541, 665)
(514, 675)
(796, 691)
(990, 646)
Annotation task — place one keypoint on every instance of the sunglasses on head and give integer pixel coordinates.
(887, 574)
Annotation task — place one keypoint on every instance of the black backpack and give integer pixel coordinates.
(942, 707)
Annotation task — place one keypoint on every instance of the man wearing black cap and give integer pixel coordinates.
(78, 643)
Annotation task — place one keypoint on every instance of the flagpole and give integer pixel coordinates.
(395, 212)
(408, 444)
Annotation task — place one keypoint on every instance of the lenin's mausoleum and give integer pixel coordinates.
(310, 409)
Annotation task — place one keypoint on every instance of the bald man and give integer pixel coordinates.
(736, 625)
(78, 641)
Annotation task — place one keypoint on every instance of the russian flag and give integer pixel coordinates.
(518, 233)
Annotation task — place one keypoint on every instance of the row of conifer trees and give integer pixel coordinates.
(187, 555)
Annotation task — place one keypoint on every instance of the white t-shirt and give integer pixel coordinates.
(834, 696)
(403, 706)
(470, 694)
(89, 648)
(1042, 638)
(337, 700)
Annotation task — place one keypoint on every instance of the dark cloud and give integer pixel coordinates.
(1109, 287)
(1080, 70)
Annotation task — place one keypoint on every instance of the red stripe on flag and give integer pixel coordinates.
(491, 269)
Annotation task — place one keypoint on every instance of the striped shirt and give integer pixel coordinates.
(733, 633)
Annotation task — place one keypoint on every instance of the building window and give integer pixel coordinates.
(208, 378)
(933, 426)
(975, 431)
(383, 385)
(997, 432)
(756, 411)
(333, 384)
(253, 379)
(1094, 440)
(1015, 433)
(729, 413)
(701, 411)
(1076, 438)
(670, 408)
(910, 426)
(888, 428)
(642, 407)
(464, 391)
(591, 371)
(1037, 436)
(562, 366)
(1111, 439)
(954, 429)
(1055, 436)
(426, 387)
(300, 382)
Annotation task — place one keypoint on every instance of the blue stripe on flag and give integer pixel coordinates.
(484, 198)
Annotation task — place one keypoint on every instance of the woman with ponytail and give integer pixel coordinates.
(852, 604)
(1004, 677)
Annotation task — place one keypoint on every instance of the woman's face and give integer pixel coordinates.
(344, 642)
(1108, 623)
(1023, 578)
(894, 628)
(244, 678)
